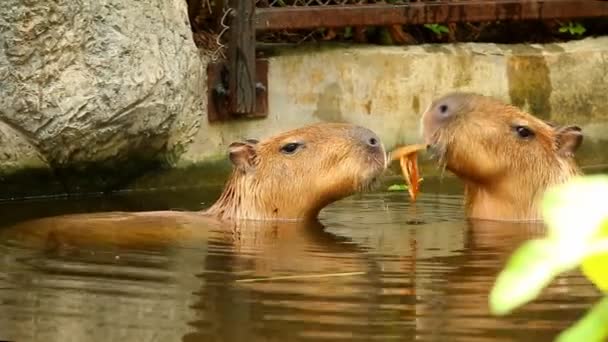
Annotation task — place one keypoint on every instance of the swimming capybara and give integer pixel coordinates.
(295, 174)
(506, 157)
(288, 176)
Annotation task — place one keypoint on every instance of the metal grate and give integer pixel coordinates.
(420, 12)
(242, 24)
(286, 3)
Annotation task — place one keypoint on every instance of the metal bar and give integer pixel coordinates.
(241, 58)
(308, 17)
(218, 108)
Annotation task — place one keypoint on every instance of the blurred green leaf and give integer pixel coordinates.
(348, 32)
(575, 211)
(593, 327)
(401, 187)
(578, 30)
(398, 187)
(437, 29)
(385, 36)
(574, 28)
(576, 214)
(595, 267)
(528, 271)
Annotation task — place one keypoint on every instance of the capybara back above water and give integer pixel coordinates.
(286, 177)
(506, 157)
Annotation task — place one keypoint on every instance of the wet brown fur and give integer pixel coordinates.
(504, 174)
(267, 184)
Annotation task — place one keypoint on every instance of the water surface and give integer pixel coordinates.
(375, 267)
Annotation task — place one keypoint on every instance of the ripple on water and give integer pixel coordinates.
(381, 269)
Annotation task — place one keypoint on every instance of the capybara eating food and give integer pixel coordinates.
(295, 174)
(506, 157)
(288, 176)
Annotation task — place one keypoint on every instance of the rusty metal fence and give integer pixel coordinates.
(238, 83)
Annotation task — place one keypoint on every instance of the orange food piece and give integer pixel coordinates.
(408, 159)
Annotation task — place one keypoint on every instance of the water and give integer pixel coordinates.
(374, 267)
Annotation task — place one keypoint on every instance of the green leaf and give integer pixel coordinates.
(443, 29)
(385, 37)
(398, 187)
(563, 29)
(531, 267)
(348, 32)
(434, 27)
(593, 327)
(578, 29)
(401, 187)
(577, 218)
(574, 211)
(595, 266)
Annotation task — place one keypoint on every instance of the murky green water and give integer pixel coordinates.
(375, 268)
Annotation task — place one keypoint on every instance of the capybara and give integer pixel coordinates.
(289, 176)
(506, 157)
(295, 174)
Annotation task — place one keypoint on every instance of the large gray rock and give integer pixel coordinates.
(98, 81)
(17, 152)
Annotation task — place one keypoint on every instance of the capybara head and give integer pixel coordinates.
(506, 157)
(295, 174)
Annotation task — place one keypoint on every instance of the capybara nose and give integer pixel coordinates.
(368, 137)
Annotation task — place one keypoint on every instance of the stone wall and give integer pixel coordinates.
(112, 88)
(387, 88)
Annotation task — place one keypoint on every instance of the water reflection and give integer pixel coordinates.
(374, 268)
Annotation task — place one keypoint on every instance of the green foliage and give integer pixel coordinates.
(348, 32)
(401, 187)
(384, 36)
(437, 29)
(577, 218)
(573, 28)
(592, 327)
(398, 187)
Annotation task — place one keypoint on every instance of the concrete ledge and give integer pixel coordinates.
(386, 89)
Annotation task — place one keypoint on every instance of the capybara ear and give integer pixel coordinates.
(569, 138)
(242, 155)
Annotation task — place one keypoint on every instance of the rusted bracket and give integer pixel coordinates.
(219, 106)
(239, 87)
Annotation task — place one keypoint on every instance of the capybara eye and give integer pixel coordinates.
(443, 108)
(289, 148)
(524, 131)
